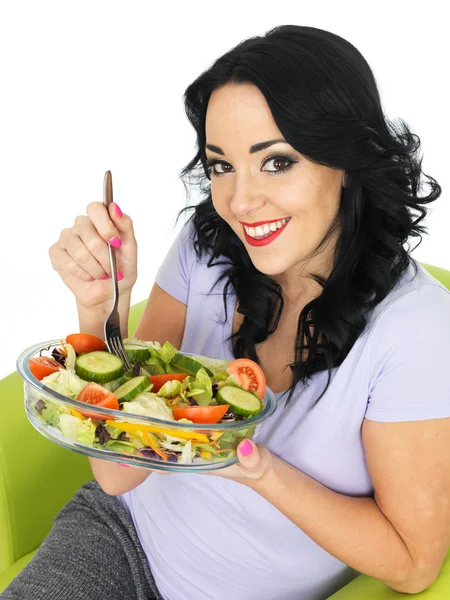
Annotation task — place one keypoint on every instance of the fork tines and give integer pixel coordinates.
(115, 346)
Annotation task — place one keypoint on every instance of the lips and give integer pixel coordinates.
(265, 240)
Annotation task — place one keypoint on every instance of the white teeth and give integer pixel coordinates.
(264, 230)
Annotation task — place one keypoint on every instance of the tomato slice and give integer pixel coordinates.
(94, 393)
(85, 342)
(201, 414)
(159, 380)
(248, 374)
(43, 366)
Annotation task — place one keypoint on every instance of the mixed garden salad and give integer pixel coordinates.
(162, 384)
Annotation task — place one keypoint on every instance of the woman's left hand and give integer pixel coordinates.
(254, 463)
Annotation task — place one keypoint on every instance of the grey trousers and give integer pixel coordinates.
(91, 553)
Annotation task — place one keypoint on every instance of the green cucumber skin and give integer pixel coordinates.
(184, 364)
(132, 388)
(233, 402)
(89, 368)
(136, 354)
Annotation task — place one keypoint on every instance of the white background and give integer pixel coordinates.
(88, 86)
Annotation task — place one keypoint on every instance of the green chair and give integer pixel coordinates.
(38, 477)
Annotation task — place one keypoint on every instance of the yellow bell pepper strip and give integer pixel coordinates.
(184, 435)
(77, 414)
(154, 446)
(205, 454)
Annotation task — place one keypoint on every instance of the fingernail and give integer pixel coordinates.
(118, 211)
(123, 465)
(119, 275)
(92, 279)
(247, 448)
(104, 276)
(115, 242)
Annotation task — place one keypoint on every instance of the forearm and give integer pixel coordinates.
(92, 319)
(354, 530)
(115, 479)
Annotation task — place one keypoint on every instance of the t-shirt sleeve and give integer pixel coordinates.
(410, 361)
(174, 273)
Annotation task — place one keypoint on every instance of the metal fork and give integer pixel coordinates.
(113, 336)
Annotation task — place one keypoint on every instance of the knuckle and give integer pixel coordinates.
(80, 220)
(81, 256)
(97, 245)
(65, 233)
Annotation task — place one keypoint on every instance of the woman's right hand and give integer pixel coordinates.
(81, 255)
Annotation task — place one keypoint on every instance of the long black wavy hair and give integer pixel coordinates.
(324, 100)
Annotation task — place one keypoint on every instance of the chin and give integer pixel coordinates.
(270, 267)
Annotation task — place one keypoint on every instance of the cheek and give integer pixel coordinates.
(221, 197)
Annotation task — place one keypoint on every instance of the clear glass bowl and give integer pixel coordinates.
(222, 437)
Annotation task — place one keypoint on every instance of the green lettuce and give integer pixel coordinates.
(202, 381)
(65, 382)
(77, 430)
(170, 389)
(52, 412)
(148, 405)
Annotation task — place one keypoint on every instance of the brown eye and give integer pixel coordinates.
(219, 168)
(279, 164)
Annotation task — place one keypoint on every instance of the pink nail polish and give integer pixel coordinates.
(115, 242)
(123, 465)
(119, 275)
(246, 448)
(118, 211)
(104, 276)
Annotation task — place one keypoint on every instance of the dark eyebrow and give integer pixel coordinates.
(253, 149)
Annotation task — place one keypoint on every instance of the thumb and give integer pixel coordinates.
(248, 454)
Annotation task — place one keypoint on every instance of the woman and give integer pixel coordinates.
(295, 258)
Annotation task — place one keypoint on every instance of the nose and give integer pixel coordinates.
(247, 197)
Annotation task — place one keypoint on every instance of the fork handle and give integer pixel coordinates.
(107, 199)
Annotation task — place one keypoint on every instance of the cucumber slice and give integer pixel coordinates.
(136, 354)
(129, 390)
(99, 366)
(112, 386)
(185, 364)
(241, 402)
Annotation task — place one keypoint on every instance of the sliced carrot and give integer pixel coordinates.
(154, 447)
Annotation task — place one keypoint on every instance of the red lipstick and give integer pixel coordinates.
(266, 240)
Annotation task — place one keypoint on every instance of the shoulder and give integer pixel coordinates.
(414, 317)
(419, 303)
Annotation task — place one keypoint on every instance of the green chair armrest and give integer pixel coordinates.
(37, 477)
(368, 588)
(7, 576)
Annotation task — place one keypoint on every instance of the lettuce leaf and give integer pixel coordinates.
(187, 454)
(77, 430)
(170, 389)
(202, 381)
(65, 382)
(148, 405)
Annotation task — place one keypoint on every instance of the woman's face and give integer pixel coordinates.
(263, 187)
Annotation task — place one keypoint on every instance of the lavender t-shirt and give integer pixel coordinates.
(208, 538)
